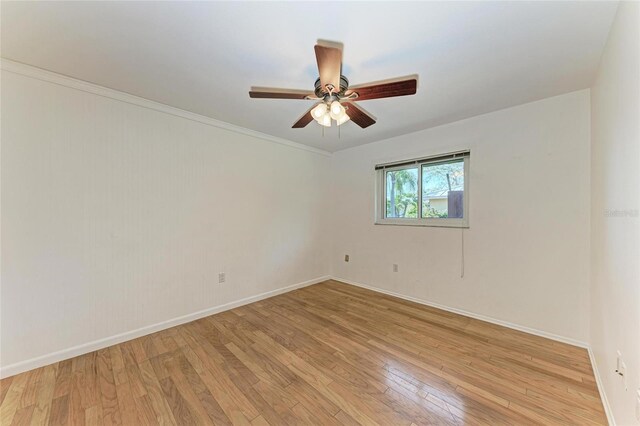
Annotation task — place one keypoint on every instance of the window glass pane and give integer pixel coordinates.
(443, 190)
(402, 193)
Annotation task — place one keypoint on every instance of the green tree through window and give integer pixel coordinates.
(427, 191)
(402, 193)
(440, 183)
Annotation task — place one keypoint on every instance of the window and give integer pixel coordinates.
(402, 193)
(429, 191)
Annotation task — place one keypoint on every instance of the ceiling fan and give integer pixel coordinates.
(333, 91)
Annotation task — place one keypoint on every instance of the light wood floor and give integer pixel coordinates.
(326, 354)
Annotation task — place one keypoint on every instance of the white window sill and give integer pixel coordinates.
(441, 223)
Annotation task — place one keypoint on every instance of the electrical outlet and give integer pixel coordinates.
(346, 257)
(222, 277)
(395, 267)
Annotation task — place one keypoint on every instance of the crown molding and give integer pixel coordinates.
(74, 83)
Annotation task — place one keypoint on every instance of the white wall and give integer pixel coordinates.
(615, 221)
(117, 217)
(527, 248)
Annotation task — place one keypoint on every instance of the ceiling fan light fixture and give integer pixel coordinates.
(319, 111)
(343, 119)
(325, 120)
(337, 110)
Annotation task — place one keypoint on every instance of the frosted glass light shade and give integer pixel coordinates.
(319, 111)
(336, 111)
(343, 119)
(325, 120)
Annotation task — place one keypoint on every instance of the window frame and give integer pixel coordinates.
(381, 193)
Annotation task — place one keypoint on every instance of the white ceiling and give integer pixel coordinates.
(472, 57)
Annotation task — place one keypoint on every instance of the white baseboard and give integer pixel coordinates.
(603, 395)
(30, 364)
(481, 317)
(53, 357)
(570, 341)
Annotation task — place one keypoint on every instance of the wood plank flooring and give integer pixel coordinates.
(326, 354)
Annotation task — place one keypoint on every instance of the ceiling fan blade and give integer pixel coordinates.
(358, 115)
(385, 89)
(329, 59)
(304, 120)
(271, 93)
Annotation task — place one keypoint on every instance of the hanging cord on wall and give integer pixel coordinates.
(462, 253)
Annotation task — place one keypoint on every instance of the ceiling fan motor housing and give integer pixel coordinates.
(321, 92)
